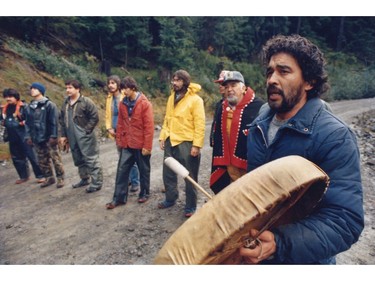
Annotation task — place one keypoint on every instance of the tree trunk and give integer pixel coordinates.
(340, 37)
(298, 25)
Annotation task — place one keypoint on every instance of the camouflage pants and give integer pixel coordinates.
(47, 154)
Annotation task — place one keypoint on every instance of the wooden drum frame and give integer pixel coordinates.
(277, 193)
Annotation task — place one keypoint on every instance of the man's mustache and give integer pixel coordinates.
(272, 89)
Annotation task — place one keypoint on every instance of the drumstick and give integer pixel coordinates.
(252, 242)
(180, 170)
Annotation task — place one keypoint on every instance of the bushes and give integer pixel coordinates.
(348, 78)
(46, 60)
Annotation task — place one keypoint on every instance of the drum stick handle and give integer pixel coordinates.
(197, 186)
(180, 170)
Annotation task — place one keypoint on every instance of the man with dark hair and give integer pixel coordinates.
(13, 119)
(182, 137)
(297, 123)
(79, 117)
(114, 98)
(237, 111)
(42, 119)
(134, 137)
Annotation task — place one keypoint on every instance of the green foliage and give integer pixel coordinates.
(176, 46)
(132, 41)
(152, 48)
(352, 83)
(254, 77)
(46, 60)
(349, 78)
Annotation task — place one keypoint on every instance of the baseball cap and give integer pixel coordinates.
(233, 76)
(221, 76)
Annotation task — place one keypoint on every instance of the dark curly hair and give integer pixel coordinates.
(308, 56)
(11, 93)
(129, 82)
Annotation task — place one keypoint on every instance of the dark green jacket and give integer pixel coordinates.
(85, 115)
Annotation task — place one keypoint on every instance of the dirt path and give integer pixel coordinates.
(68, 226)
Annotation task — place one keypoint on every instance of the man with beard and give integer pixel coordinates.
(298, 124)
(237, 111)
(114, 98)
(182, 137)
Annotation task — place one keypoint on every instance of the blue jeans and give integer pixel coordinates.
(134, 175)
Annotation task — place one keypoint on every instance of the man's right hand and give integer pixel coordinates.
(162, 144)
(29, 142)
(264, 250)
(112, 132)
(63, 144)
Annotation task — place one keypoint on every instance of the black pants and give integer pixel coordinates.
(22, 154)
(128, 157)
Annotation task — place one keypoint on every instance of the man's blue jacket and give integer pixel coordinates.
(337, 222)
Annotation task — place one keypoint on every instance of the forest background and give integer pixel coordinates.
(150, 48)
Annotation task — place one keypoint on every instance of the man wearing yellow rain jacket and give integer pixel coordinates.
(182, 137)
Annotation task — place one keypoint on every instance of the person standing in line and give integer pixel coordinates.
(41, 127)
(297, 123)
(78, 119)
(13, 119)
(182, 137)
(237, 111)
(114, 98)
(134, 137)
(223, 94)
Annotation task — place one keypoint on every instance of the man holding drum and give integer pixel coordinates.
(298, 124)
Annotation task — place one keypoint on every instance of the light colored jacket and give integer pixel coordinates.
(186, 120)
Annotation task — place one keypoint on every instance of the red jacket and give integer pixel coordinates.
(137, 131)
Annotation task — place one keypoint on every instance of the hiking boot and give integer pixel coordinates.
(60, 183)
(189, 212)
(134, 188)
(40, 180)
(93, 189)
(143, 199)
(48, 182)
(82, 182)
(21, 181)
